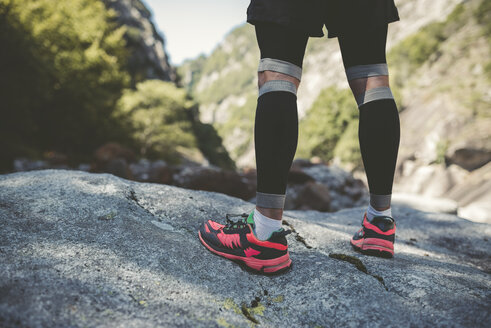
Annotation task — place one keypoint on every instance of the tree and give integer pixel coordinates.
(61, 77)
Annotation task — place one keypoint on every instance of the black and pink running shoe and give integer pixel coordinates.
(376, 237)
(236, 241)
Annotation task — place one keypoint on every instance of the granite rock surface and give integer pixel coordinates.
(86, 250)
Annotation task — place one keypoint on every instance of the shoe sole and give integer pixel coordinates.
(273, 266)
(374, 247)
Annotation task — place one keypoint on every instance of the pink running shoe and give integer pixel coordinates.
(236, 241)
(376, 237)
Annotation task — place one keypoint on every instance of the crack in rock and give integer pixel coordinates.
(163, 225)
(358, 264)
(158, 222)
(132, 197)
(256, 307)
(296, 234)
(247, 314)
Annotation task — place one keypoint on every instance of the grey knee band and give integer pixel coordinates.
(374, 94)
(380, 201)
(277, 85)
(364, 71)
(270, 200)
(280, 66)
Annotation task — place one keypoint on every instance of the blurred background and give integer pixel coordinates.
(165, 91)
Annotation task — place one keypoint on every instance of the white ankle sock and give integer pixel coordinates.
(264, 225)
(371, 212)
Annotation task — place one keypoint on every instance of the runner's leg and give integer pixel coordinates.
(379, 131)
(276, 122)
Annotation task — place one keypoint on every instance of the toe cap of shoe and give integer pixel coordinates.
(208, 234)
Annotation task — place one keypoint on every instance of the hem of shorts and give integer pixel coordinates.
(316, 32)
(286, 23)
(332, 33)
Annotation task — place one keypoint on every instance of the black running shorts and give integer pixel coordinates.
(341, 17)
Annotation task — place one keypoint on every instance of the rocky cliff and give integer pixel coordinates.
(446, 120)
(87, 250)
(148, 58)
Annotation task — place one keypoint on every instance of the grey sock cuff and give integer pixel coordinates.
(380, 201)
(270, 200)
(374, 94)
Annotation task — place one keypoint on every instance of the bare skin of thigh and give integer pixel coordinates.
(359, 86)
(266, 76)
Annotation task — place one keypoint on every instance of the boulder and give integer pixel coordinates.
(56, 159)
(449, 189)
(112, 150)
(86, 250)
(433, 180)
(345, 190)
(424, 203)
(113, 158)
(298, 176)
(24, 164)
(309, 196)
(51, 160)
(469, 158)
(317, 186)
(473, 195)
(211, 178)
(151, 171)
(300, 163)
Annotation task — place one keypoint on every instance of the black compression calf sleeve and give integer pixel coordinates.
(275, 137)
(379, 135)
(276, 127)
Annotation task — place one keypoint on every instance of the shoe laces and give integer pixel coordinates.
(241, 223)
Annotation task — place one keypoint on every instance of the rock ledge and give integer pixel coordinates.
(85, 250)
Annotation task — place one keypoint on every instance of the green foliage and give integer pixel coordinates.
(348, 148)
(158, 113)
(441, 150)
(210, 144)
(230, 70)
(422, 46)
(61, 77)
(425, 47)
(244, 41)
(65, 69)
(190, 71)
(483, 17)
(163, 120)
(413, 51)
(241, 118)
(233, 83)
(330, 127)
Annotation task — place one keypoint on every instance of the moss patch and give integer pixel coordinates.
(223, 323)
(229, 304)
(279, 299)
